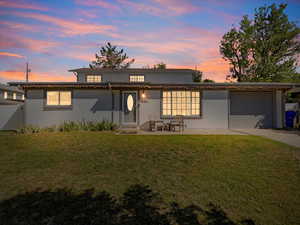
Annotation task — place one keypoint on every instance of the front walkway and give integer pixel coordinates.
(287, 137)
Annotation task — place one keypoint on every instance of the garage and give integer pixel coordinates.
(251, 110)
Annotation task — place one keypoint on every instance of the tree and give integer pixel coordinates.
(208, 81)
(112, 58)
(160, 66)
(197, 76)
(263, 49)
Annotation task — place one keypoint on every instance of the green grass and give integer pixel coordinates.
(247, 176)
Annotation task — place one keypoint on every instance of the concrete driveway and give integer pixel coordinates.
(288, 137)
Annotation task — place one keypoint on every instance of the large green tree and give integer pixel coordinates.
(160, 66)
(265, 48)
(112, 58)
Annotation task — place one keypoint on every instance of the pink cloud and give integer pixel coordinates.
(21, 5)
(161, 7)
(22, 26)
(43, 77)
(99, 3)
(69, 27)
(216, 69)
(11, 54)
(91, 14)
(15, 41)
(142, 7)
(178, 7)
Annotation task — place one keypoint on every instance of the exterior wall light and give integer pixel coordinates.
(143, 95)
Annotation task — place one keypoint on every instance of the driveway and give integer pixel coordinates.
(288, 137)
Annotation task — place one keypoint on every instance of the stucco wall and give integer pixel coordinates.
(11, 116)
(157, 77)
(214, 110)
(89, 105)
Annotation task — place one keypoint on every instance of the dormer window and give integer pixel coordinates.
(93, 78)
(137, 78)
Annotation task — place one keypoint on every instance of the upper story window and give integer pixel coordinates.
(23, 97)
(137, 78)
(5, 95)
(93, 78)
(185, 103)
(58, 98)
(14, 96)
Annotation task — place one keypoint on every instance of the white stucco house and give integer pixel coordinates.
(133, 97)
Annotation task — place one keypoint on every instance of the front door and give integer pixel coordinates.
(129, 107)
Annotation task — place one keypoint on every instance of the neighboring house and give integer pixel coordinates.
(11, 107)
(10, 95)
(133, 97)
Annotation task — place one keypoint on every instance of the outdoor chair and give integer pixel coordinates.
(178, 121)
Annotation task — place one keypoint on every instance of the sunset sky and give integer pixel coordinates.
(56, 35)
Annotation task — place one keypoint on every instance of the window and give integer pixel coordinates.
(23, 97)
(136, 78)
(93, 78)
(59, 98)
(14, 96)
(185, 103)
(5, 94)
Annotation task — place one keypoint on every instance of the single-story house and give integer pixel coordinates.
(11, 107)
(133, 97)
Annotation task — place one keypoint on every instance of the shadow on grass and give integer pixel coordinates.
(139, 205)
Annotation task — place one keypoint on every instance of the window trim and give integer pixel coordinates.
(142, 75)
(94, 75)
(185, 117)
(57, 107)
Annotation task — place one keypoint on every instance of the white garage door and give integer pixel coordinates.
(251, 110)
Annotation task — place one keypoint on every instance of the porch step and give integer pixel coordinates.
(127, 130)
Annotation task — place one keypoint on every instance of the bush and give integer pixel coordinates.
(68, 126)
(29, 130)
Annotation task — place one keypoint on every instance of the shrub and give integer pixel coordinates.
(68, 126)
(29, 129)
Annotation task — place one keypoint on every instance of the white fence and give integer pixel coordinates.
(11, 116)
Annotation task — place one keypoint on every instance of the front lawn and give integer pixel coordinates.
(247, 176)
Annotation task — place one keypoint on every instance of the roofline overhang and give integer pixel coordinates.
(114, 85)
(83, 70)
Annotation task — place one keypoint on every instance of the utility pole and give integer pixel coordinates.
(27, 72)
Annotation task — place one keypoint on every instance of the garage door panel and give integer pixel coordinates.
(251, 110)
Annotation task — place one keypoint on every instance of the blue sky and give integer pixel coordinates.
(55, 36)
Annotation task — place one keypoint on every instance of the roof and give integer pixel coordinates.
(10, 88)
(131, 70)
(127, 85)
(295, 90)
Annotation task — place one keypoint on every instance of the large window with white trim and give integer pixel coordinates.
(137, 78)
(93, 78)
(185, 103)
(59, 98)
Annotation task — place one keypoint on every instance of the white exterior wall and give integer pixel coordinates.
(88, 105)
(214, 110)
